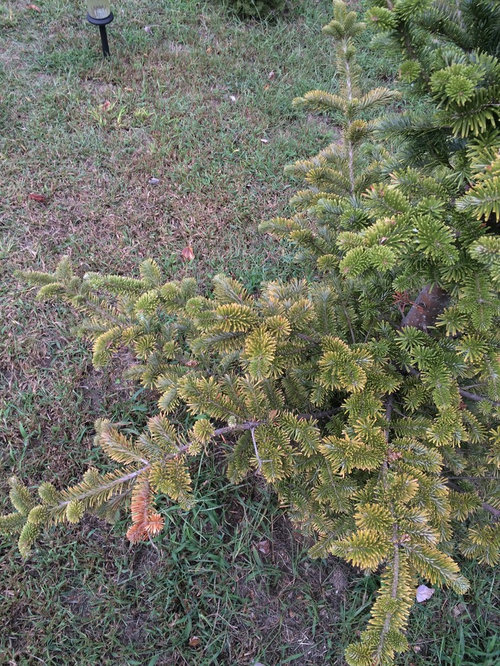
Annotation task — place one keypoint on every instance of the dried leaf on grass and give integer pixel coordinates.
(187, 253)
(424, 593)
(41, 198)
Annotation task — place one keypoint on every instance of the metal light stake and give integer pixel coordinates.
(99, 13)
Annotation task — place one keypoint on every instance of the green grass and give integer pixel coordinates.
(201, 101)
(227, 583)
(448, 629)
(188, 103)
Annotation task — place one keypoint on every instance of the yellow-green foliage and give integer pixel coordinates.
(368, 398)
(339, 174)
(353, 443)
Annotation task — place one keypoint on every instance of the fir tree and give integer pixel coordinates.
(451, 55)
(368, 398)
(336, 178)
(256, 8)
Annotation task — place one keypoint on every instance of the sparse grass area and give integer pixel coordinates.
(226, 584)
(202, 102)
(189, 103)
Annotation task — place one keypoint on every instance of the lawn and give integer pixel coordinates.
(178, 140)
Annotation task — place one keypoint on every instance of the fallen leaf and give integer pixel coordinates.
(194, 641)
(267, 86)
(41, 198)
(264, 547)
(105, 105)
(187, 253)
(458, 609)
(424, 593)
(34, 8)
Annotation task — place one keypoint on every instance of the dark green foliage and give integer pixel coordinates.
(451, 55)
(256, 8)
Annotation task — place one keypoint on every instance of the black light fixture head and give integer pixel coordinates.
(99, 13)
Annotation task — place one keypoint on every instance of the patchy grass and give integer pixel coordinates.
(226, 584)
(192, 103)
(201, 102)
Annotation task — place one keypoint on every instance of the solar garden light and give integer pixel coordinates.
(99, 13)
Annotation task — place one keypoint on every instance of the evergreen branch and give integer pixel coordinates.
(395, 563)
(340, 293)
(320, 415)
(256, 450)
(388, 415)
(386, 627)
(491, 509)
(394, 595)
(478, 398)
(389, 407)
(484, 505)
(119, 481)
(349, 144)
(307, 338)
(465, 394)
(227, 430)
(251, 425)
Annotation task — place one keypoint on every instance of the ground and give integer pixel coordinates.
(178, 140)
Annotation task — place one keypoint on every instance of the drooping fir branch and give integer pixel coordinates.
(155, 451)
(250, 368)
